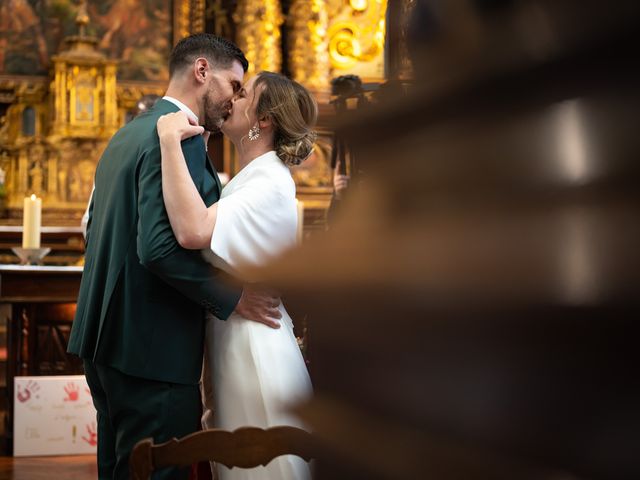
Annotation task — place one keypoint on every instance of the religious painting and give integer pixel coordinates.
(138, 33)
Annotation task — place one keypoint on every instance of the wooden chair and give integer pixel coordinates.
(245, 447)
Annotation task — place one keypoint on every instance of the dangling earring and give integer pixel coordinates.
(254, 132)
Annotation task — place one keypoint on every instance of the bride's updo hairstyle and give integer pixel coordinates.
(293, 111)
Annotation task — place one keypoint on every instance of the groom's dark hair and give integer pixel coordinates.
(219, 51)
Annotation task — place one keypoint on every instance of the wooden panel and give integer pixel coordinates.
(39, 284)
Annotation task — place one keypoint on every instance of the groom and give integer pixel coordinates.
(139, 323)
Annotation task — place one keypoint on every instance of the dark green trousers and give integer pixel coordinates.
(130, 409)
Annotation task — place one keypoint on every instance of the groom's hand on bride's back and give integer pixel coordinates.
(260, 305)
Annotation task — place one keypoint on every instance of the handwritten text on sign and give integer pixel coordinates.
(53, 416)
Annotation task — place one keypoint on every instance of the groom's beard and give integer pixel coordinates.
(215, 115)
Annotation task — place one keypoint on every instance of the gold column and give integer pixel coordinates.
(110, 100)
(188, 18)
(308, 48)
(198, 15)
(60, 97)
(182, 20)
(23, 174)
(258, 34)
(52, 177)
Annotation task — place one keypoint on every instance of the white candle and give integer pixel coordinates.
(300, 208)
(31, 222)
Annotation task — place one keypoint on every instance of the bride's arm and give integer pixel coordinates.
(192, 222)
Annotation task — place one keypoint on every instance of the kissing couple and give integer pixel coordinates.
(152, 309)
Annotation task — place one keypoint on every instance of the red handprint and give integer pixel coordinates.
(29, 389)
(72, 391)
(93, 435)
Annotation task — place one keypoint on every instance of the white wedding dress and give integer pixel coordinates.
(252, 372)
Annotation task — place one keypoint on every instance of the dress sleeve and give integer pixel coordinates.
(254, 224)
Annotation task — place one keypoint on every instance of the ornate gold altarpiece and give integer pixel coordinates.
(56, 128)
(325, 39)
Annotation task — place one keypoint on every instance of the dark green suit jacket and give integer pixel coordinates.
(143, 297)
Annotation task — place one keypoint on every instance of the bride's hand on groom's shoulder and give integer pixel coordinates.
(260, 305)
(177, 126)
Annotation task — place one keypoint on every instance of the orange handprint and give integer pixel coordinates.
(29, 389)
(72, 391)
(93, 435)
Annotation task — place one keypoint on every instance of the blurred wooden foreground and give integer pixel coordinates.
(473, 310)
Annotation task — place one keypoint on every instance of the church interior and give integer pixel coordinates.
(467, 305)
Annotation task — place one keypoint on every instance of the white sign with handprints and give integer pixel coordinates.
(53, 416)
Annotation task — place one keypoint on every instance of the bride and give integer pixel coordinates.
(255, 371)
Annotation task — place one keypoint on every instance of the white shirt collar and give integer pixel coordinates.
(182, 107)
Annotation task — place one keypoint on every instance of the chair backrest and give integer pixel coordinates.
(245, 447)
